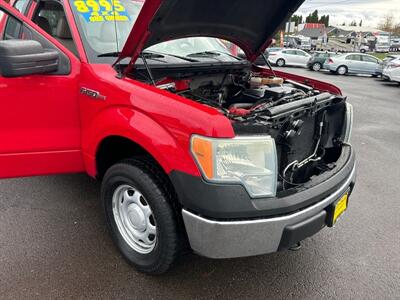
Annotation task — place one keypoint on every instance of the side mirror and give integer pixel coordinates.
(26, 57)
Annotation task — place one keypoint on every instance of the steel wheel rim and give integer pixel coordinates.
(317, 67)
(134, 219)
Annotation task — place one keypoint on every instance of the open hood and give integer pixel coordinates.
(249, 24)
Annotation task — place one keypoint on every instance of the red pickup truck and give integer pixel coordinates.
(195, 148)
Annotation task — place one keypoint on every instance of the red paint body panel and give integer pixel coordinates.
(40, 122)
(40, 163)
(159, 121)
(48, 127)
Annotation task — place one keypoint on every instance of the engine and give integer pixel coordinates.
(306, 124)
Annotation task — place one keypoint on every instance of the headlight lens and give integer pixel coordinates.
(349, 123)
(251, 161)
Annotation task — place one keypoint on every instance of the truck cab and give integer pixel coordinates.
(195, 148)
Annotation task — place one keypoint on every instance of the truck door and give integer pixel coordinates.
(40, 122)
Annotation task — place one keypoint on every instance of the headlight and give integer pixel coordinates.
(250, 161)
(349, 123)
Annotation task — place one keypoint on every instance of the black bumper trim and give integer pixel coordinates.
(297, 232)
(230, 202)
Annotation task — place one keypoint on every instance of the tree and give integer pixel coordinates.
(360, 23)
(313, 17)
(387, 24)
(396, 29)
(324, 20)
(353, 23)
(297, 19)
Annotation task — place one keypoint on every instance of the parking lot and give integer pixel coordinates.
(54, 242)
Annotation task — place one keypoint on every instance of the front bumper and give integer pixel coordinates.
(222, 221)
(329, 67)
(228, 239)
(388, 75)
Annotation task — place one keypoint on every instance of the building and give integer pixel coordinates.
(314, 31)
(351, 31)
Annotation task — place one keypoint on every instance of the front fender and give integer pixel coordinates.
(135, 125)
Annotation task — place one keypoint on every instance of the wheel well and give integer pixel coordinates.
(116, 148)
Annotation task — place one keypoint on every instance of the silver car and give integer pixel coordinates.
(355, 63)
(386, 61)
(289, 57)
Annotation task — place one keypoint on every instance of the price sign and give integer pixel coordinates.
(101, 10)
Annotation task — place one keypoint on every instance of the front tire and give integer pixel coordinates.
(140, 216)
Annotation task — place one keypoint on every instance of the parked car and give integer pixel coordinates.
(355, 63)
(364, 48)
(289, 57)
(395, 44)
(382, 47)
(260, 61)
(385, 62)
(297, 42)
(273, 49)
(316, 61)
(193, 146)
(392, 70)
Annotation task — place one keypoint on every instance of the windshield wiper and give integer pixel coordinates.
(149, 55)
(204, 53)
(167, 54)
(212, 54)
(109, 54)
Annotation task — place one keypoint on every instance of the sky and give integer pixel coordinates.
(371, 12)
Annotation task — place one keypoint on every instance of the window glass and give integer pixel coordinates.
(370, 59)
(15, 29)
(301, 53)
(104, 29)
(52, 12)
(21, 5)
(354, 57)
(50, 16)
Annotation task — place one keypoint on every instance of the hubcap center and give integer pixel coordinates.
(136, 217)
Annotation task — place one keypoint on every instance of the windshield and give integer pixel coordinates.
(104, 29)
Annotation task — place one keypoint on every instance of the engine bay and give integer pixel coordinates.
(307, 124)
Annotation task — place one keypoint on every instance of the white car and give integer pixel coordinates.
(289, 57)
(392, 71)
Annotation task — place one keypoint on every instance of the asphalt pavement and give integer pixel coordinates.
(54, 242)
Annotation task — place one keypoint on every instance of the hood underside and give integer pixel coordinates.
(248, 24)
